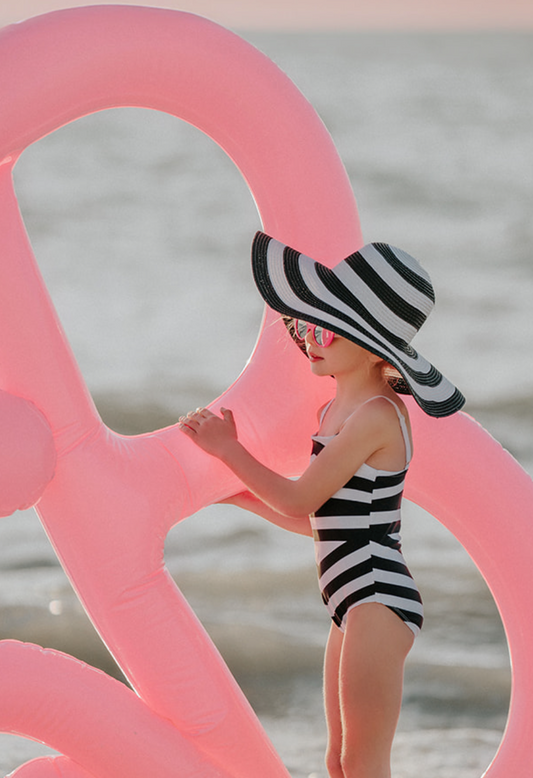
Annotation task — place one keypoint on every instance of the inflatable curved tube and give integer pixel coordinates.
(113, 499)
(109, 718)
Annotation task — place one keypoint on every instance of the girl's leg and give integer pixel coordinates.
(375, 645)
(332, 702)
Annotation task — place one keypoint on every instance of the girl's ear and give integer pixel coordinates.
(377, 360)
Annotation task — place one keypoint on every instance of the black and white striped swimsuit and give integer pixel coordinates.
(357, 542)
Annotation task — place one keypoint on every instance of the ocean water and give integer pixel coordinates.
(142, 226)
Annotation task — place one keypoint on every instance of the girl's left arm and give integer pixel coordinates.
(338, 461)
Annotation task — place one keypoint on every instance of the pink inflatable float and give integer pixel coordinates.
(108, 501)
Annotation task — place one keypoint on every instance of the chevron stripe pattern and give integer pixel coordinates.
(358, 547)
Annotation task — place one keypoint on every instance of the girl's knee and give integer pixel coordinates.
(356, 762)
(333, 763)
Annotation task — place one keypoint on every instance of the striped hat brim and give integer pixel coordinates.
(377, 297)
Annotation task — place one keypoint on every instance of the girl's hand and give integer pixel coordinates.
(210, 432)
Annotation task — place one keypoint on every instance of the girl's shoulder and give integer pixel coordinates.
(379, 407)
(386, 421)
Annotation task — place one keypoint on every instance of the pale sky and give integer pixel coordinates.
(322, 14)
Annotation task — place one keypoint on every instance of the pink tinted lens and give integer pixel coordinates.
(320, 335)
(300, 328)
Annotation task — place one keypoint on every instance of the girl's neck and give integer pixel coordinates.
(348, 397)
(352, 390)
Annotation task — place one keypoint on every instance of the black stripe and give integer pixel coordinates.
(341, 292)
(361, 484)
(432, 378)
(337, 535)
(316, 448)
(410, 617)
(262, 278)
(405, 615)
(375, 532)
(382, 533)
(396, 590)
(351, 599)
(442, 408)
(343, 551)
(387, 504)
(404, 310)
(338, 507)
(390, 565)
(420, 283)
(346, 577)
(392, 479)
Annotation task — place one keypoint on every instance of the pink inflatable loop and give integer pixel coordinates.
(113, 499)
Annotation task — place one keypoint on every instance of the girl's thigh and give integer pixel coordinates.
(375, 645)
(331, 687)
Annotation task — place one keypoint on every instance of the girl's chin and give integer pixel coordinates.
(318, 367)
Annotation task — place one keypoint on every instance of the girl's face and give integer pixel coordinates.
(340, 357)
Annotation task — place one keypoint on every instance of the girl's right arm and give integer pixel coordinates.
(364, 434)
(249, 502)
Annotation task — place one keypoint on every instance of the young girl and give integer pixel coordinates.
(355, 322)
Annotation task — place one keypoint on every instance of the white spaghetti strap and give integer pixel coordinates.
(325, 409)
(401, 419)
(403, 425)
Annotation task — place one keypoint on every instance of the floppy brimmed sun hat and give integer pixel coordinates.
(378, 297)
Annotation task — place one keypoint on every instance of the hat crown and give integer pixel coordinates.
(392, 287)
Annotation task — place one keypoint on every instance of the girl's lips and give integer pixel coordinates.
(314, 357)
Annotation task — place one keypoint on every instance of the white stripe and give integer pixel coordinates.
(345, 591)
(353, 559)
(354, 522)
(353, 495)
(395, 579)
(404, 289)
(401, 603)
(385, 552)
(384, 517)
(316, 286)
(341, 522)
(376, 307)
(381, 493)
(325, 547)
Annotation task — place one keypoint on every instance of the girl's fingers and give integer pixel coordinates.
(186, 423)
(194, 419)
(228, 417)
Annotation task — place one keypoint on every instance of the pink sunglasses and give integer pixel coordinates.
(321, 336)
